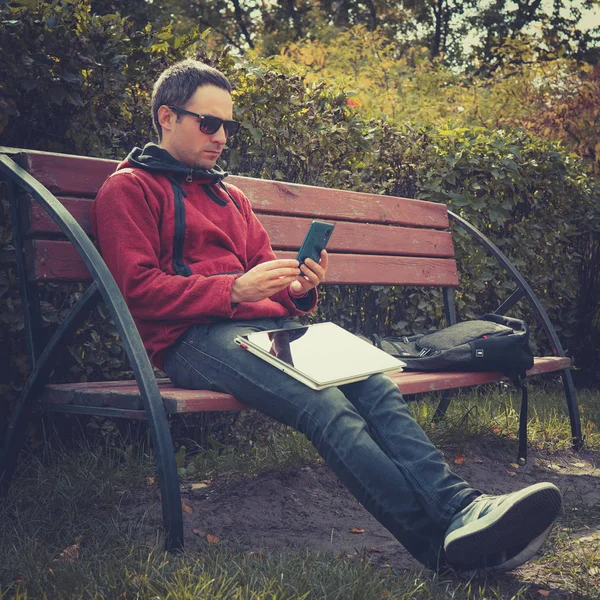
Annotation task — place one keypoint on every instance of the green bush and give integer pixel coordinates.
(75, 82)
(537, 203)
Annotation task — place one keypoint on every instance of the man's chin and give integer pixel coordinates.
(207, 163)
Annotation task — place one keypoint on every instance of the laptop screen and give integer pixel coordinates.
(324, 352)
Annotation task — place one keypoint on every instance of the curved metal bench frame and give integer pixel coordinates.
(523, 290)
(103, 287)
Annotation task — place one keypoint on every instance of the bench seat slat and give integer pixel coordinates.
(125, 394)
(54, 260)
(287, 233)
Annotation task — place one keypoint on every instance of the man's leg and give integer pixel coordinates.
(391, 424)
(413, 493)
(492, 533)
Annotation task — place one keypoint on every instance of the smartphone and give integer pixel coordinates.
(316, 239)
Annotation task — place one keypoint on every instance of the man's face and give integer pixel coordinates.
(184, 140)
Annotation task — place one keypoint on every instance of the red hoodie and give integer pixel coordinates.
(175, 239)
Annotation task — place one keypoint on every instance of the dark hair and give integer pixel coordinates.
(178, 83)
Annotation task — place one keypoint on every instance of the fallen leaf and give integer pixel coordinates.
(594, 570)
(213, 539)
(478, 461)
(68, 554)
(186, 508)
(258, 555)
(514, 465)
(357, 530)
(373, 549)
(511, 473)
(19, 580)
(150, 480)
(496, 429)
(199, 486)
(579, 465)
(543, 593)
(198, 532)
(459, 459)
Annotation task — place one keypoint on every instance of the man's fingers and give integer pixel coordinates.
(279, 284)
(312, 274)
(312, 268)
(324, 261)
(279, 273)
(280, 263)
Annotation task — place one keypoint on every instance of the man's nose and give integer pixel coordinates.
(219, 135)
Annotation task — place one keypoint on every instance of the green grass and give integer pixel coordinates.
(78, 494)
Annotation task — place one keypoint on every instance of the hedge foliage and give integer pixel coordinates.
(77, 83)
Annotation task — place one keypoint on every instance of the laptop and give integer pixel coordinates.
(320, 355)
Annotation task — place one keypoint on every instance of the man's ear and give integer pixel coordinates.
(166, 118)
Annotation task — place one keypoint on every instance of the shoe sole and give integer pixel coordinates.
(512, 563)
(527, 517)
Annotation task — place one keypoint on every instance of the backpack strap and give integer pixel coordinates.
(376, 341)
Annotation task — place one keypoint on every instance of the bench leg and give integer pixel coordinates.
(13, 438)
(573, 408)
(442, 407)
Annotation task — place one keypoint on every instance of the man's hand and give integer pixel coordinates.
(264, 280)
(312, 275)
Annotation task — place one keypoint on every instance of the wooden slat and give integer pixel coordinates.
(287, 233)
(54, 260)
(69, 175)
(323, 203)
(40, 222)
(125, 394)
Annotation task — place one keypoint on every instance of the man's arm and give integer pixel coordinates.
(296, 293)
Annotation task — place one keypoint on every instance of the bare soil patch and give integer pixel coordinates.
(309, 509)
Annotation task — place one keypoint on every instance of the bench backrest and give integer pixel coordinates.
(378, 240)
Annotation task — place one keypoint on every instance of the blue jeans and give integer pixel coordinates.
(364, 431)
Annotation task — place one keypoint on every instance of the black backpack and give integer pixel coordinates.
(491, 343)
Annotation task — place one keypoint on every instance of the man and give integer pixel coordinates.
(196, 269)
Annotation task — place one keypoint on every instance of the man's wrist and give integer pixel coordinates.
(302, 294)
(235, 296)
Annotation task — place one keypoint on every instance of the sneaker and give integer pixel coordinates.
(499, 533)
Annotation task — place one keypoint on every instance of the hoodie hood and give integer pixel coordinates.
(154, 158)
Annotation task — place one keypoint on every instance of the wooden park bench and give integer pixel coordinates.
(379, 240)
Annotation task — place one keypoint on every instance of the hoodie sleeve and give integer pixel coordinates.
(125, 221)
(259, 250)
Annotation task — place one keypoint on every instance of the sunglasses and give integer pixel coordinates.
(210, 125)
